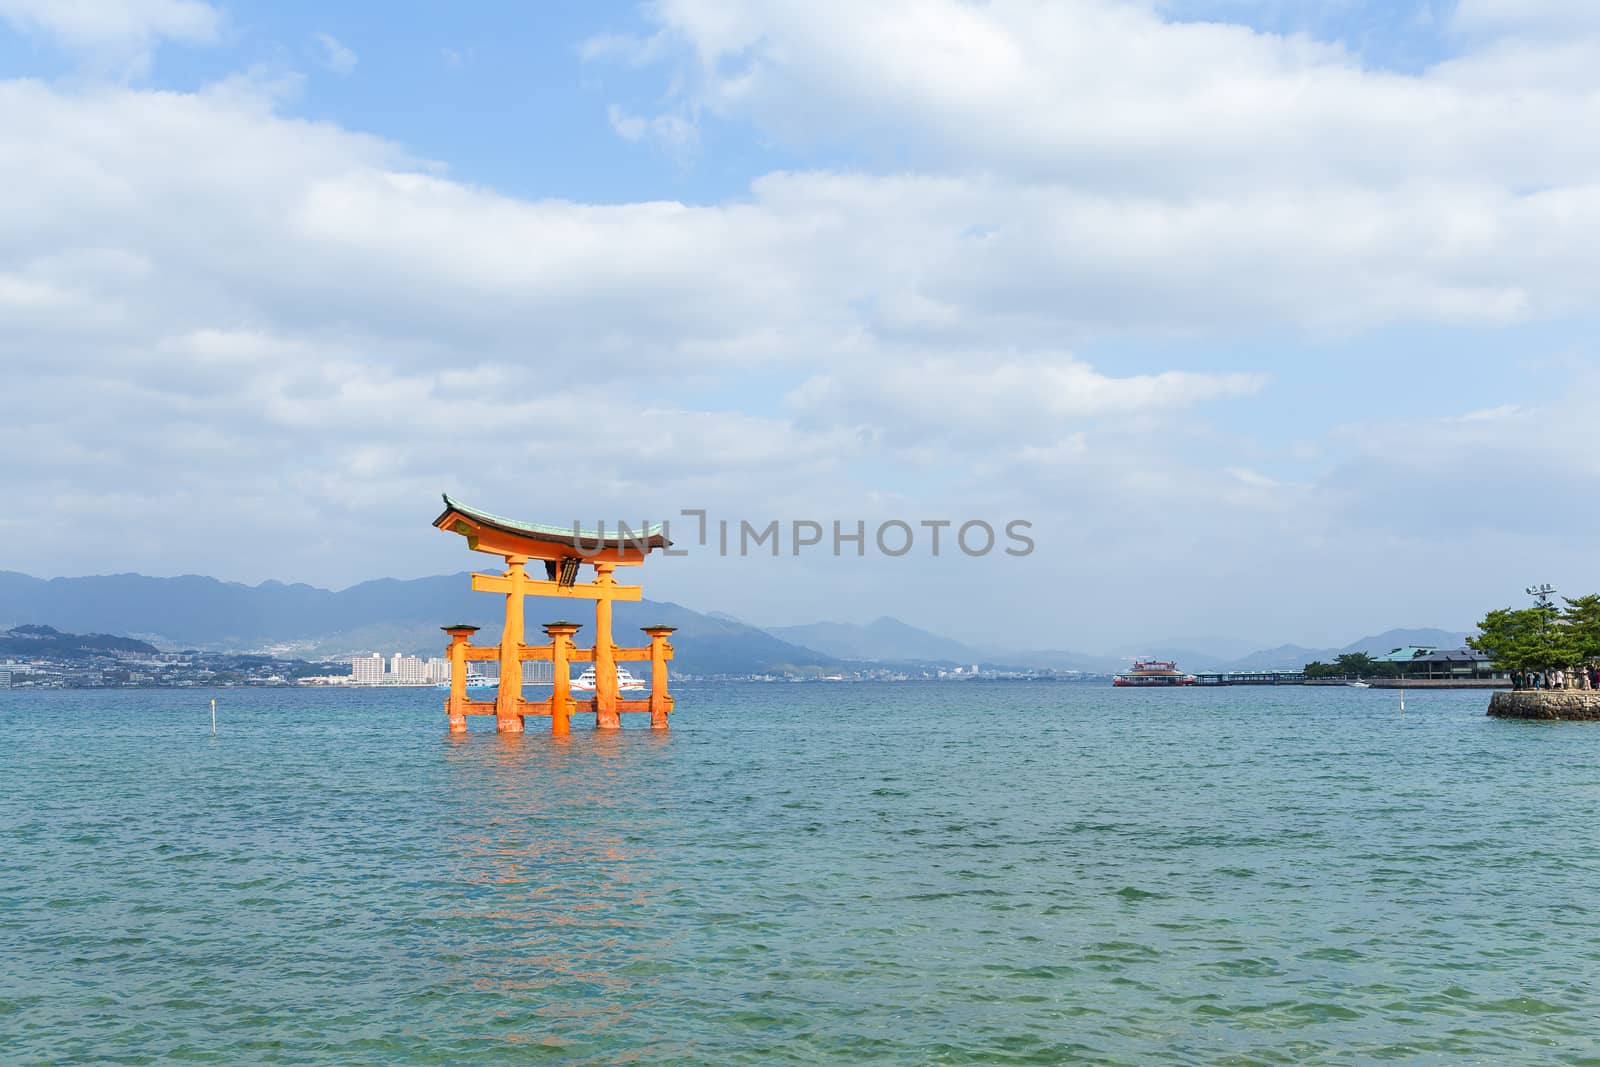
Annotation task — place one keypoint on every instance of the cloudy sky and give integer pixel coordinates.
(1275, 319)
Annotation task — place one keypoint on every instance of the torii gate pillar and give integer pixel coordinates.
(508, 699)
(560, 634)
(605, 652)
(456, 706)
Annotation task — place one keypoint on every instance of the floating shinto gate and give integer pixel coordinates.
(563, 551)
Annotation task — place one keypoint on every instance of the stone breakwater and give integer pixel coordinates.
(1552, 704)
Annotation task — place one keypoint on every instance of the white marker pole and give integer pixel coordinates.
(214, 716)
(1402, 700)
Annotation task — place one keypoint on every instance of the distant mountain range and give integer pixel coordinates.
(392, 615)
(1376, 644)
(388, 615)
(892, 641)
(46, 642)
(885, 640)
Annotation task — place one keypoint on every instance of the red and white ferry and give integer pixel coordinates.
(1150, 672)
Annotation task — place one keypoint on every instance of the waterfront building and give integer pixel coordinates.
(1436, 664)
(407, 670)
(1273, 676)
(438, 670)
(367, 670)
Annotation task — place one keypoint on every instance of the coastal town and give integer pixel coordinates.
(41, 657)
(191, 669)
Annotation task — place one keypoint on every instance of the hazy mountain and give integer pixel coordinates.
(1208, 654)
(1188, 657)
(1282, 657)
(388, 615)
(192, 611)
(1207, 647)
(391, 615)
(1210, 649)
(884, 640)
(1392, 639)
(1062, 660)
(1373, 645)
(888, 640)
(46, 642)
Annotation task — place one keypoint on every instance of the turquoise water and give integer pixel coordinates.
(916, 874)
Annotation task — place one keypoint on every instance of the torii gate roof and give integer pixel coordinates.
(487, 532)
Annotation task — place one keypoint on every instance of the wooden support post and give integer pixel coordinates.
(508, 698)
(560, 660)
(605, 658)
(660, 702)
(455, 705)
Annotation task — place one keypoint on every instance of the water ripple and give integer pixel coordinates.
(916, 874)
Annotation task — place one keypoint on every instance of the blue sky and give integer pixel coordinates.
(1273, 318)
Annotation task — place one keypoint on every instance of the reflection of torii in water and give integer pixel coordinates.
(562, 550)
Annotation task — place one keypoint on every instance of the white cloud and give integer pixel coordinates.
(296, 332)
(1524, 16)
(1515, 469)
(334, 54)
(116, 35)
(1104, 95)
(1086, 165)
(999, 397)
(311, 305)
(673, 133)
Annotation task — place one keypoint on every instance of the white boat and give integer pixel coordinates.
(474, 681)
(626, 683)
(1359, 685)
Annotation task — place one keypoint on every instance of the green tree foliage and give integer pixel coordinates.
(1354, 664)
(1528, 639)
(1581, 620)
(1539, 638)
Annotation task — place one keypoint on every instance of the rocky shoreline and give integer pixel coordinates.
(1553, 705)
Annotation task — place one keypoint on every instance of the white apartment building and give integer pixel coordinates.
(367, 670)
(407, 670)
(438, 669)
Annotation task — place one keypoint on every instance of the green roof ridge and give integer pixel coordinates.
(652, 530)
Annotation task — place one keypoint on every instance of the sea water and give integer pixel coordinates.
(820, 873)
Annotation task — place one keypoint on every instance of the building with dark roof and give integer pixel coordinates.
(1441, 664)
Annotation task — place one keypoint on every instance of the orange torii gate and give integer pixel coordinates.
(562, 550)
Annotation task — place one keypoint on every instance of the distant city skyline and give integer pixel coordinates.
(1271, 319)
(399, 669)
